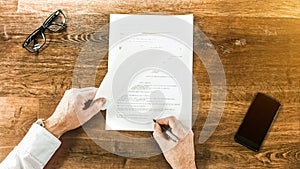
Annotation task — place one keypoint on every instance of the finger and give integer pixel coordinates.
(177, 128)
(84, 99)
(170, 121)
(157, 130)
(94, 108)
(87, 89)
(79, 101)
(164, 143)
(82, 89)
(89, 94)
(69, 91)
(180, 130)
(158, 135)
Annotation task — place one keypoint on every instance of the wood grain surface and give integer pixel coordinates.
(258, 43)
(17, 115)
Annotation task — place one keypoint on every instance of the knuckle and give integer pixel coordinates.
(70, 91)
(78, 96)
(94, 109)
(153, 134)
(92, 88)
(172, 118)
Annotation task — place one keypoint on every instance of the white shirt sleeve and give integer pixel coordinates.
(34, 151)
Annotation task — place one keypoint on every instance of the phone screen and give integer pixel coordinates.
(257, 121)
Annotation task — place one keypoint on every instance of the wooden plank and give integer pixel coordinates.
(89, 155)
(8, 6)
(16, 116)
(211, 156)
(242, 8)
(243, 65)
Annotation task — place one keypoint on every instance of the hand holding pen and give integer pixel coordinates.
(167, 131)
(176, 142)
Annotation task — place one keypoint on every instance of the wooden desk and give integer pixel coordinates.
(258, 44)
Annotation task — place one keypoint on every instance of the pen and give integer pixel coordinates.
(168, 132)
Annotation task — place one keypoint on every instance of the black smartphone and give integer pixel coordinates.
(258, 120)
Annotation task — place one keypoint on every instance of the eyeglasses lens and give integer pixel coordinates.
(35, 41)
(56, 21)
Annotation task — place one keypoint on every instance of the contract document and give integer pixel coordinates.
(149, 74)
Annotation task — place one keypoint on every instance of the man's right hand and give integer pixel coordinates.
(181, 154)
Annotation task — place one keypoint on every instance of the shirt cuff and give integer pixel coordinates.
(39, 143)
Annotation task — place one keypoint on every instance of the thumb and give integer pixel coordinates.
(158, 135)
(95, 107)
(157, 131)
(164, 143)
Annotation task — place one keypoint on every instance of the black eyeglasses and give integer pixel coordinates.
(55, 23)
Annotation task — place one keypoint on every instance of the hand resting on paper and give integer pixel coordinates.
(38, 145)
(71, 111)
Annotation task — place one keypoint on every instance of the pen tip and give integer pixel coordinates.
(154, 120)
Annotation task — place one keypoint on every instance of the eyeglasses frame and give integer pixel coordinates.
(48, 22)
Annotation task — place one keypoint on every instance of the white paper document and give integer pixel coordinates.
(149, 74)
